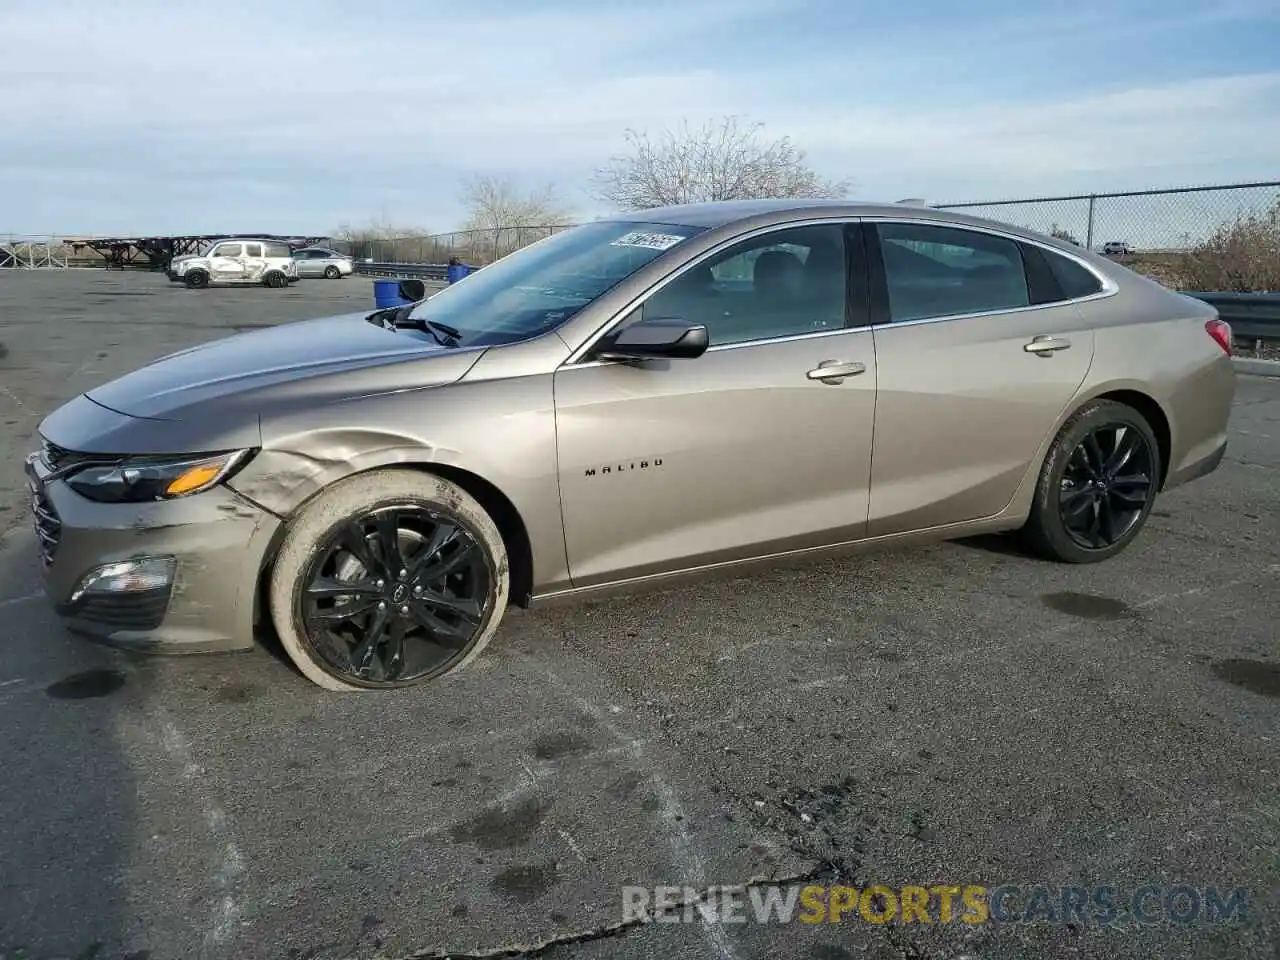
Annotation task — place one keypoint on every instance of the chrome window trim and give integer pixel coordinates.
(575, 358)
(1109, 287)
(719, 348)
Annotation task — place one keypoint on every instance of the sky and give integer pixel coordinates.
(143, 118)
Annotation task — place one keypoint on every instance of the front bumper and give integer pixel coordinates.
(217, 542)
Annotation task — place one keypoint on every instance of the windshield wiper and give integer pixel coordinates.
(444, 334)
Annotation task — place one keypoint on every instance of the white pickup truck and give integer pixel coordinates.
(237, 261)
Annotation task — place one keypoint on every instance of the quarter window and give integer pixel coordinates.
(1074, 279)
(941, 271)
(779, 284)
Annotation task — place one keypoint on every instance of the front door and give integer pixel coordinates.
(226, 262)
(743, 451)
(974, 365)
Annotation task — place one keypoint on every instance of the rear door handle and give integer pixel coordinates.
(834, 371)
(1047, 345)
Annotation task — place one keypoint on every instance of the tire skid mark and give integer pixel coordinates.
(670, 812)
(228, 862)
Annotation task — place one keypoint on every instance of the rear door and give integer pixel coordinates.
(978, 351)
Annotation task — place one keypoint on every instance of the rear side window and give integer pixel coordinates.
(253, 250)
(942, 271)
(1074, 279)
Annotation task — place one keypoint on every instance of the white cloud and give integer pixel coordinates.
(338, 110)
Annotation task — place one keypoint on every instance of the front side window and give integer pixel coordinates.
(942, 271)
(228, 250)
(780, 284)
(539, 287)
(277, 250)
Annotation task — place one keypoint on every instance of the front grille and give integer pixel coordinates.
(54, 455)
(59, 458)
(48, 526)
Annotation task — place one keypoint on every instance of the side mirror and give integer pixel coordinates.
(413, 289)
(662, 338)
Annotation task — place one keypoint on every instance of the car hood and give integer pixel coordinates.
(302, 363)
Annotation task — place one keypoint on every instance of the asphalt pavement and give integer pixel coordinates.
(959, 715)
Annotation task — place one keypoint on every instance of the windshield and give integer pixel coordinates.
(539, 287)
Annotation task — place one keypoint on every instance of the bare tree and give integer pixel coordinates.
(503, 217)
(721, 160)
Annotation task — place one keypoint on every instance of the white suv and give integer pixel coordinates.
(237, 261)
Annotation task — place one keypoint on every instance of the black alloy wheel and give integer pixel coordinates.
(395, 596)
(1107, 482)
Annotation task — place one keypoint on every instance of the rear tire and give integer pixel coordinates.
(332, 273)
(1096, 487)
(462, 574)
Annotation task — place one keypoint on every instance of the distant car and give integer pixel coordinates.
(658, 395)
(237, 261)
(1117, 248)
(321, 262)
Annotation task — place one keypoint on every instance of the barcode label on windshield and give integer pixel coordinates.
(653, 241)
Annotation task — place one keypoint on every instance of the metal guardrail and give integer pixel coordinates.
(1251, 315)
(415, 271)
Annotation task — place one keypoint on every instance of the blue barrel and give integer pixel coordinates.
(386, 293)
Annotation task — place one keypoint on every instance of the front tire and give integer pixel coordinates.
(388, 579)
(197, 280)
(275, 280)
(1096, 487)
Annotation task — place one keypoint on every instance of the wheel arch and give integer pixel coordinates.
(1154, 414)
(1133, 394)
(496, 503)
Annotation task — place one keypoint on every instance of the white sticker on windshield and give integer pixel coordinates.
(654, 241)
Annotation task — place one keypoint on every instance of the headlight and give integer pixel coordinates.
(146, 478)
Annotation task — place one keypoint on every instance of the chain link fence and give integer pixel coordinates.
(1224, 237)
(1205, 238)
(476, 247)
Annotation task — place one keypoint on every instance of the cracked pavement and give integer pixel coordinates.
(956, 714)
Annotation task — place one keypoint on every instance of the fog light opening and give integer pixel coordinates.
(126, 577)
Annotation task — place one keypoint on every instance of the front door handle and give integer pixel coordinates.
(834, 371)
(1047, 345)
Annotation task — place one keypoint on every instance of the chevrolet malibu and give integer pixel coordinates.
(669, 393)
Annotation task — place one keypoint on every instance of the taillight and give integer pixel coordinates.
(1220, 330)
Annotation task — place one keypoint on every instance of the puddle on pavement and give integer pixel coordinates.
(525, 883)
(87, 685)
(1252, 675)
(502, 829)
(1087, 606)
(554, 745)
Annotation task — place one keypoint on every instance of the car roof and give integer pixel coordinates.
(720, 212)
(766, 212)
